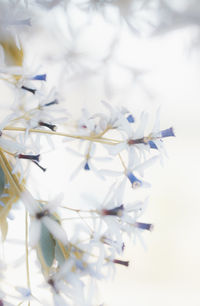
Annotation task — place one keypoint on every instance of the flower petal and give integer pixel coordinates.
(55, 229)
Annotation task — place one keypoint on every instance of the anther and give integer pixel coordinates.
(121, 262)
(51, 103)
(42, 168)
(144, 226)
(29, 89)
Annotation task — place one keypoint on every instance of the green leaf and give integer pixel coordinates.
(47, 245)
(2, 180)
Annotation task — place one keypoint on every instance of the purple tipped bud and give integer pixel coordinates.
(144, 226)
(39, 77)
(29, 89)
(48, 125)
(133, 179)
(117, 211)
(121, 262)
(86, 167)
(135, 141)
(130, 119)
(31, 157)
(167, 133)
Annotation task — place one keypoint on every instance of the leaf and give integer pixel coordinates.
(2, 180)
(47, 246)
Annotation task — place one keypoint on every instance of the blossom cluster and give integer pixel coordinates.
(70, 263)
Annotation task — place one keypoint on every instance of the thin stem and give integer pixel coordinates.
(123, 164)
(27, 253)
(90, 138)
(80, 210)
(78, 218)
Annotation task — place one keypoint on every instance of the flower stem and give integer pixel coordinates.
(94, 138)
(27, 253)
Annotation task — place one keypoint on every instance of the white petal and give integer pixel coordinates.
(115, 149)
(55, 229)
(30, 203)
(110, 172)
(59, 301)
(147, 164)
(142, 125)
(34, 234)
(77, 170)
(74, 152)
(52, 205)
(11, 146)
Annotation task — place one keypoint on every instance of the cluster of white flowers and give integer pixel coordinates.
(70, 263)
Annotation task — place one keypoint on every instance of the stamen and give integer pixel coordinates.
(42, 214)
(51, 103)
(117, 211)
(31, 157)
(121, 262)
(48, 125)
(144, 226)
(43, 169)
(29, 89)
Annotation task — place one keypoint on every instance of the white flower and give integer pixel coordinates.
(43, 214)
(88, 160)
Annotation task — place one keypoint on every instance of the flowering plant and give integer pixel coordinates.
(75, 244)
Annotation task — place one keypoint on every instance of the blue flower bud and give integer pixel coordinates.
(167, 133)
(152, 145)
(134, 180)
(130, 119)
(86, 167)
(39, 77)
